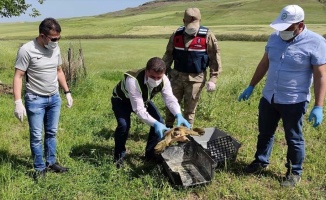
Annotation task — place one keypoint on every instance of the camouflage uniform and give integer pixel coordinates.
(187, 87)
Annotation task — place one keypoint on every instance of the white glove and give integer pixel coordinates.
(210, 86)
(20, 110)
(69, 100)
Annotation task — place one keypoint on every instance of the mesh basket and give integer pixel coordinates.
(188, 164)
(220, 146)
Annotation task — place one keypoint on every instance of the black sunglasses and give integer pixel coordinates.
(53, 39)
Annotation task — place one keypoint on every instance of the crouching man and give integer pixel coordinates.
(134, 94)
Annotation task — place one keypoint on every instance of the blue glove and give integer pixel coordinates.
(246, 93)
(160, 129)
(181, 120)
(316, 115)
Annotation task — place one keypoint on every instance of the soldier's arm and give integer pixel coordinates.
(168, 55)
(214, 55)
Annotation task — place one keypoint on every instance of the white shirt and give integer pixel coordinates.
(137, 101)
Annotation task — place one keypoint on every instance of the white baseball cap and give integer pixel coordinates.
(289, 15)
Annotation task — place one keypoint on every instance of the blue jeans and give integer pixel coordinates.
(43, 111)
(122, 111)
(292, 117)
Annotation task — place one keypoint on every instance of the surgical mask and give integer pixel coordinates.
(152, 83)
(191, 31)
(287, 35)
(51, 45)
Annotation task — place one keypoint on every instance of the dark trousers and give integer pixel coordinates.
(292, 118)
(122, 111)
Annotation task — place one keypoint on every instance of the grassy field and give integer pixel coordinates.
(85, 137)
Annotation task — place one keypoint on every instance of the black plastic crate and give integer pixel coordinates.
(221, 147)
(188, 164)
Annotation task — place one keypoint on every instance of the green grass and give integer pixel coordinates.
(85, 137)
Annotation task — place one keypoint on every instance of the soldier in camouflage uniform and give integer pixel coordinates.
(192, 48)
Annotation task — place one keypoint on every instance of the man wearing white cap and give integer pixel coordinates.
(294, 58)
(192, 48)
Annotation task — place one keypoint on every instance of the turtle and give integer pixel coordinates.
(177, 134)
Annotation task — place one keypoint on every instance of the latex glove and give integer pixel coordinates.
(316, 115)
(69, 100)
(210, 86)
(160, 129)
(181, 120)
(246, 93)
(20, 110)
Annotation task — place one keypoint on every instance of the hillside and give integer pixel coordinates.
(160, 18)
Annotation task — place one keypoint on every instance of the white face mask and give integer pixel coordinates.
(51, 45)
(191, 31)
(152, 83)
(287, 35)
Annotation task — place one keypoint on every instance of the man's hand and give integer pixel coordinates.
(160, 129)
(246, 93)
(181, 120)
(316, 115)
(20, 110)
(210, 86)
(69, 100)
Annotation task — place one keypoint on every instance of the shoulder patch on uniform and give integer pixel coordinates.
(203, 31)
(180, 28)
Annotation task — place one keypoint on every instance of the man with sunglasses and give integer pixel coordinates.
(294, 58)
(39, 61)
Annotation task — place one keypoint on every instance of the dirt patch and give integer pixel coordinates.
(230, 5)
(6, 89)
(194, 196)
